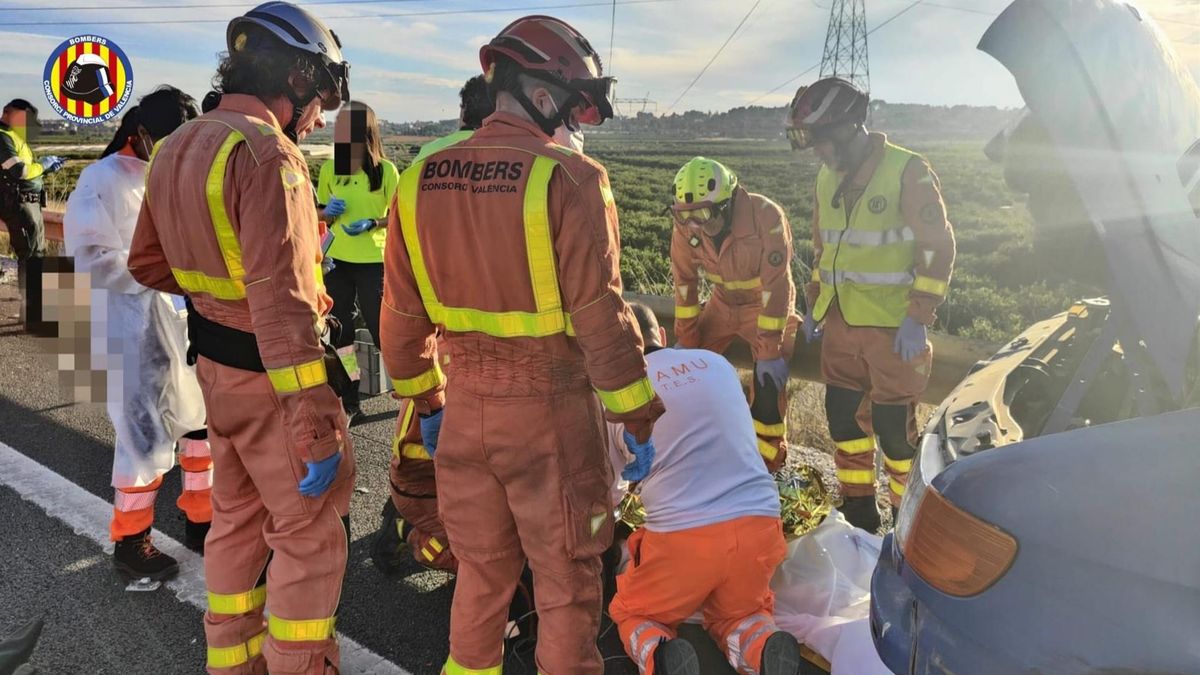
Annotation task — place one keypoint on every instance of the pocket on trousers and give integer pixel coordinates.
(588, 509)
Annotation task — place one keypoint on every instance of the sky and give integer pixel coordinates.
(409, 57)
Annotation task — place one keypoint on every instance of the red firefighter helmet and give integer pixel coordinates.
(823, 105)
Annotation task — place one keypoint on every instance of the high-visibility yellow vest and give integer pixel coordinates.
(867, 261)
(548, 318)
(32, 170)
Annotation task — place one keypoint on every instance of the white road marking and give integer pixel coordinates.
(88, 515)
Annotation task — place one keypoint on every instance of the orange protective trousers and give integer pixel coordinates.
(414, 494)
(261, 523)
(718, 325)
(723, 570)
(133, 507)
(522, 473)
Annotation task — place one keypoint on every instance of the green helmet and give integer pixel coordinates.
(703, 183)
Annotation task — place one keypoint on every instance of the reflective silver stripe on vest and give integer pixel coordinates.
(872, 278)
(855, 237)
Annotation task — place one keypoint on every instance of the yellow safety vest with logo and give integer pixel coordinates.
(867, 260)
(32, 170)
(549, 317)
(233, 287)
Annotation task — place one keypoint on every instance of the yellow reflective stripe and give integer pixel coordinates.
(539, 246)
(214, 188)
(856, 476)
(437, 545)
(778, 430)
(499, 324)
(194, 282)
(304, 630)
(421, 383)
(767, 450)
(407, 201)
(896, 486)
(772, 323)
(816, 275)
(735, 285)
(237, 603)
(428, 556)
(414, 451)
(628, 399)
(898, 465)
(687, 311)
(402, 431)
(930, 285)
(290, 379)
(228, 657)
(452, 668)
(606, 194)
(856, 447)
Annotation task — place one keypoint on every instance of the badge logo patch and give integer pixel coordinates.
(877, 204)
(775, 258)
(88, 80)
(694, 241)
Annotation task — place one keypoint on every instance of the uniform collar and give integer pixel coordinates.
(246, 104)
(504, 123)
(878, 143)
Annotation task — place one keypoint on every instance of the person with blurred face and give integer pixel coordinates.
(743, 243)
(883, 253)
(153, 398)
(356, 187)
(229, 220)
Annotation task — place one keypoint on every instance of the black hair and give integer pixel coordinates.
(262, 69)
(166, 109)
(647, 322)
(476, 101)
(129, 125)
(22, 104)
(510, 77)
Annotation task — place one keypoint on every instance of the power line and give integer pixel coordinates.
(612, 31)
(347, 17)
(714, 57)
(195, 6)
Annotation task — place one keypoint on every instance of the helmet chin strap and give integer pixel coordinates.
(298, 104)
(548, 125)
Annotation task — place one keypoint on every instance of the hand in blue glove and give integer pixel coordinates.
(320, 476)
(911, 339)
(335, 207)
(643, 455)
(51, 163)
(812, 330)
(775, 369)
(359, 226)
(431, 428)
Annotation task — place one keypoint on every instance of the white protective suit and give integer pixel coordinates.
(138, 335)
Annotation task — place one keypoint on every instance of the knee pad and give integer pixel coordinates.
(841, 405)
(891, 426)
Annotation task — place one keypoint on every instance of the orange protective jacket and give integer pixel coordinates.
(752, 268)
(471, 233)
(924, 213)
(267, 199)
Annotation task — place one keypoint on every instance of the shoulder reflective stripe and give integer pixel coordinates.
(768, 451)
(930, 285)
(735, 285)
(414, 451)
(214, 188)
(606, 195)
(856, 237)
(237, 603)
(452, 668)
(539, 245)
(772, 322)
(687, 311)
(898, 465)
(871, 278)
(856, 447)
(856, 476)
(896, 486)
(439, 144)
(304, 630)
(776, 430)
(421, 383)
(291, 379)
(194, 281)
(628, 399)
(229, 657)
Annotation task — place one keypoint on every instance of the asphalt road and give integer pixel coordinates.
(93, 625)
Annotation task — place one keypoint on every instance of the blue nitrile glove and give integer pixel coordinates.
(431, 428)
(643, 455)
(911, 339)
(320, 476)
(335, 207)
(812, 330)
(51, 163)
(776, 369)
(359, 226)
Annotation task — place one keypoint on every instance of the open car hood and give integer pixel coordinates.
(1122, 113)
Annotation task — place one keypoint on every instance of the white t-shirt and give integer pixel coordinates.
(706, 467)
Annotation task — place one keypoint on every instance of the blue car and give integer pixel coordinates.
(1050, 522)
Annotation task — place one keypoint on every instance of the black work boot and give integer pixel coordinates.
(137, 558)
(676, 657)
(387, 551)
(350, 405)
(194, 534)
(862, 512)
(781, 655)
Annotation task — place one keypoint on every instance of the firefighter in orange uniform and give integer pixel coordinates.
(509, 242)
(229, 220)
(742, 242)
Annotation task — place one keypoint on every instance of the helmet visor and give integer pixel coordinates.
(800, 138)
(596, 105)
(336, 89)
(698, 216)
